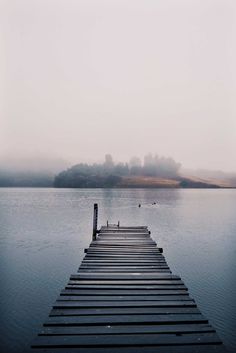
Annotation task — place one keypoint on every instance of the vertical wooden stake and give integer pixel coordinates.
(95, 220)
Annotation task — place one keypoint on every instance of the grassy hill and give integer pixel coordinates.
(180, 182)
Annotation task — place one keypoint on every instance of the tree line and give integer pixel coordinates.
(109, 173)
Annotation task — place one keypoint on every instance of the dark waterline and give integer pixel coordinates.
(43, 233)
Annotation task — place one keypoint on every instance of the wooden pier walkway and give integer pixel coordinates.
(124, 299)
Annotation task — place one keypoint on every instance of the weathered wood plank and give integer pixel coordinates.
(126, 340)
(124, 303)
(124, 256)
(203, 348)
(102, 311)
(125, 318)
(124, 237)
(124, 259)
(135, 265)
(135, 243)
(124, 267)
(124, 329)
(122, 251)
(126, 281)
(126, 244)
(131, 270)
(125, 228)
(127, 292)
(123, 270)
(134, 287)
(118, 298)
(134, 276)
(116, 266)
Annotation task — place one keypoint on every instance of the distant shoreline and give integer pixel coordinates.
(121, 187)
(118, 187)
(124, 182)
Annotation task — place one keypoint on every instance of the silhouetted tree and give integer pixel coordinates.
(109, 174)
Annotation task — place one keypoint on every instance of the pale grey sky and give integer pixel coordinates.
(80, 78)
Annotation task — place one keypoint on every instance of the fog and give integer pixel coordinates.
(82, 78)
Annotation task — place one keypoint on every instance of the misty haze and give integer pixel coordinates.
(153, 171)
(117, 176)
(86, 78)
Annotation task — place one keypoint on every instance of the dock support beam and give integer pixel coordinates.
(95, 220)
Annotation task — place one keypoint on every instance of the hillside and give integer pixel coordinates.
(155, 182)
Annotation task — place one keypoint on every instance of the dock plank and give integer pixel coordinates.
(125, 292)
(123, 303)
(118, 298)
(125, 329)
(130, 287)
(198, 348)
(126, 340)
(100, 310)
(125, 319)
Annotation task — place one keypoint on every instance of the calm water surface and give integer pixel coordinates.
(43, 233)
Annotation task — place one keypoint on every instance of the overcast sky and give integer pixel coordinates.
(80, 78)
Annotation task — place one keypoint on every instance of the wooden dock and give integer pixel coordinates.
(124, 299)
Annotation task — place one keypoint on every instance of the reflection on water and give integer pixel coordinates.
(43, 233)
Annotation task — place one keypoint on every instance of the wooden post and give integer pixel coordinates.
(95, 220)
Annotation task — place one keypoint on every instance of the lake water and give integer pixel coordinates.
(43, 233)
